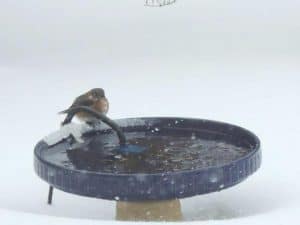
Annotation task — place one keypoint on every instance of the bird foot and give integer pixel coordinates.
(94, 124)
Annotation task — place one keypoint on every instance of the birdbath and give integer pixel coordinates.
(176, 158)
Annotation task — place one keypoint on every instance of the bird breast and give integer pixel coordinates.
(102, 105)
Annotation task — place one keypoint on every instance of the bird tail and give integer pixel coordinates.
(64, 111)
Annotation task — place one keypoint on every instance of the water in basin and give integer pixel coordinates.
(163, 154)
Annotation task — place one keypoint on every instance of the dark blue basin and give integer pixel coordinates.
(180, 158)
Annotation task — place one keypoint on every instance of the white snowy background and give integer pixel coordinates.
(234, 61)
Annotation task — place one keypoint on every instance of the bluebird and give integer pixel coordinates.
(95, 99)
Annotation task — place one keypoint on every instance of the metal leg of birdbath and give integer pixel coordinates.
(50, 195)
(169, 210)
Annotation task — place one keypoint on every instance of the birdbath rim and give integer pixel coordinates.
(256, 139)
(229, 174)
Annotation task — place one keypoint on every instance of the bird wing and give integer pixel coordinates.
(80, 101)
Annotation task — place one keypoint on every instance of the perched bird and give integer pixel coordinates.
(95, 99)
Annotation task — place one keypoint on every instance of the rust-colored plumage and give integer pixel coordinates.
(94, 99)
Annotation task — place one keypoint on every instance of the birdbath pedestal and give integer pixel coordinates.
(168, 210)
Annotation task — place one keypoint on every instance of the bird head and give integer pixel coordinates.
(96, 93)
